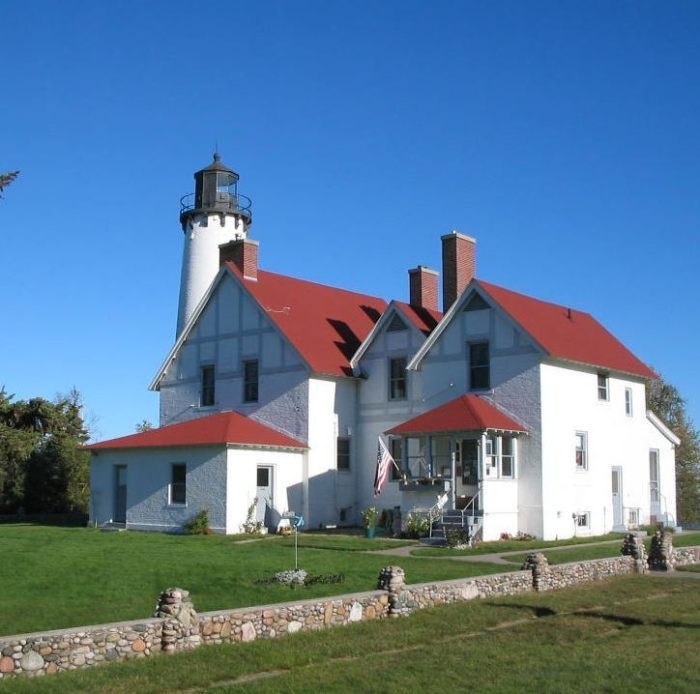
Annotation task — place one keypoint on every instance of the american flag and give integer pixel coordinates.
(384, 463)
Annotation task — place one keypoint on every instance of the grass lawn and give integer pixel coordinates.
(695, 568)
(513, 545)
(55, 577)
(626, 634)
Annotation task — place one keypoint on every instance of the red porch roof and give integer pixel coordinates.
(465, 413)
(221, 428)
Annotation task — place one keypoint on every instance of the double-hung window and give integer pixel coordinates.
(499, 456)
(396, 450)
(250, 380)
(581, 440)
(628, 402)
(603, 387)
(343, 453)
(178, 483)
(207, 391)
(479, 366)
(397, 378)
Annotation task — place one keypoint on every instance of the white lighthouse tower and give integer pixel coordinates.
(214, 214)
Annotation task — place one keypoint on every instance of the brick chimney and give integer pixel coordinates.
(423, 287)
(243, 253)
(458, 266)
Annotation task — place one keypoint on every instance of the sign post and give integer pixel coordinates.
(296, 522)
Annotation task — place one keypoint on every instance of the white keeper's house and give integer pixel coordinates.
(529, 415)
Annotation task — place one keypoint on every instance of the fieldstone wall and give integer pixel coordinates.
(177, 626)
(70, 649)
(686, 555)
(271, 621)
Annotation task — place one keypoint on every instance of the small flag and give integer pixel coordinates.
(384, 463)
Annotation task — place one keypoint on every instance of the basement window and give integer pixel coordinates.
(582, 520)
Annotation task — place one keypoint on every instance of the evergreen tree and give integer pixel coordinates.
(42, 468)
(668, 404)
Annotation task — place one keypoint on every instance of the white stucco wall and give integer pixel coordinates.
(571, 404)
(149, 473)
(241, 487)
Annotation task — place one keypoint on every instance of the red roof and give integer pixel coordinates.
(325, 324)
(565, 333)
(423, 318)
(465, 413)
(221, 428)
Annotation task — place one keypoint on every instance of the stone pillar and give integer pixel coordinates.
(393, 580)
(661, 554)
(633, 546)
(538, 564)
(181, 625)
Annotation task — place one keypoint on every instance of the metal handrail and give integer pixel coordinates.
(242, 203)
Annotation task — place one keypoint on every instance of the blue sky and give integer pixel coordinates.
(562, 135)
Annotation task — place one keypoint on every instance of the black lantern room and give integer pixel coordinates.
(215, 191)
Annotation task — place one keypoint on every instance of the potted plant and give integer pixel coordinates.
(369, 520)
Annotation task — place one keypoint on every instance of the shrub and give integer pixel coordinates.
(369, 517)
(199, 524)
(417, 525)
(457, 537)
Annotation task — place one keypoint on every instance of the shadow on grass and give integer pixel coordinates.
(543, 612)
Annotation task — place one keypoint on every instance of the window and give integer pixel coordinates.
(602, 386)
(499, 456)
(250, 380)
(628, 402)
(206, 398)
(507, 457)
(582, 520)
(479, 366)
(343, 459)
(178, 483)
(396, 450)
(581, 450)
(397, 378)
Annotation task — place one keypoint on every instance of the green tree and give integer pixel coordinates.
(6, 179)
(42, 468)
(668, 404)
(144, 425)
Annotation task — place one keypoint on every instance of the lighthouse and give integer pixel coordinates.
(216, 213)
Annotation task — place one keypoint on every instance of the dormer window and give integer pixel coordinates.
(603, 386)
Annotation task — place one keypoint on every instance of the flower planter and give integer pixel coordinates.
(369, 532)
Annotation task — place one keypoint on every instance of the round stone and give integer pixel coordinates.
(31, 662)
(7, 664)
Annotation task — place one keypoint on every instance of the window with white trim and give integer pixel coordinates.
(628, 402)
(603, 386)
(396, 450)
(178, 484)
(499, 456)
(581, 450)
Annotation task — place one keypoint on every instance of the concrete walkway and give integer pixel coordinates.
(494, 558)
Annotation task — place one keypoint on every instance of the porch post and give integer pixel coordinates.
(453, 485)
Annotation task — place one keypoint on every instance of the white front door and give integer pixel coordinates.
(264, 493)
(618, 521)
